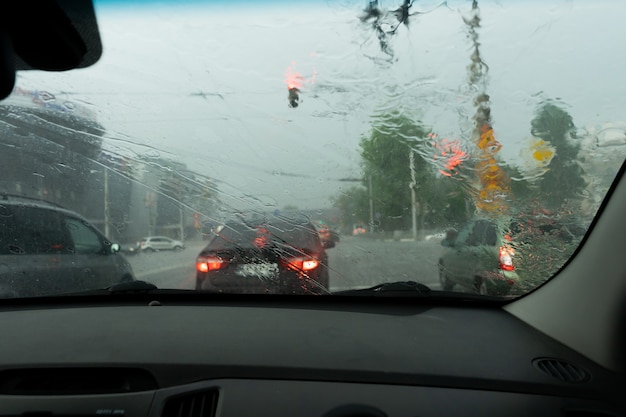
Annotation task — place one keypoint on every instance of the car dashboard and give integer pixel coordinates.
(305, 356)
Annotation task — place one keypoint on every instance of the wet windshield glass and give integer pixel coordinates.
(464, 145)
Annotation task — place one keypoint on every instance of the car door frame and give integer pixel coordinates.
(95, 268)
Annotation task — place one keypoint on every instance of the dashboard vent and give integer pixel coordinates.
(562, 370)
(197, 404)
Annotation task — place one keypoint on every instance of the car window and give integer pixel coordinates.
(293, 234)
(463, 235)
(482, 233)
(30, 231)
(86, 240)
(297, 235)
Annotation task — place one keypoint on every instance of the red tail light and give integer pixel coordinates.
(210, 263)
(506, 258)
(301, 263)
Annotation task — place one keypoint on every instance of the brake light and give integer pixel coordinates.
(210, 263)
(506, 258)
(301, 263)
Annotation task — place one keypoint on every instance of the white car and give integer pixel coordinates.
(155, 243)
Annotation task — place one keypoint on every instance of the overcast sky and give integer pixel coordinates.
(211, 93)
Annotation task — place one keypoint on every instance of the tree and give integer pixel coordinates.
(386, 159)
(353, 205)
(564, 180)
(440, 201)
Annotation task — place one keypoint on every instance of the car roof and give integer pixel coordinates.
(33, 202)
(293, 231)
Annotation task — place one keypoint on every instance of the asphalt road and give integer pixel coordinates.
(168, 269)
(356, 262)
(359, 262)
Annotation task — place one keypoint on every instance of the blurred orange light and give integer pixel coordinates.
(310, 264)
(206, 264)
(294, 79)
(451, 151)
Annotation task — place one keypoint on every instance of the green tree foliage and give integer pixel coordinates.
(564, 180)
(448, 205)
(353, 205)
(385, 152)
(385, 155)
(386, 160)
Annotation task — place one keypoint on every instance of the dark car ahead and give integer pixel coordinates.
(45, 250)
(277, 255)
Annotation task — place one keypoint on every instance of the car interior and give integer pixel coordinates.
(134, 350)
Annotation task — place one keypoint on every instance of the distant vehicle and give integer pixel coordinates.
(328, 236)
(156, 243)
(46, 249)
(479, 258)
(435, 236)
(358, 229)
(280, 255)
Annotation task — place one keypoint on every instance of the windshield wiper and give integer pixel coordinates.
(132, 287)
(126, 288)
(390, 289)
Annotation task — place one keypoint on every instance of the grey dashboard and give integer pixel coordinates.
(313, 358)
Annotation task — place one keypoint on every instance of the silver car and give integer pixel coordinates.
(156, 243)
(479, 258)
(46, 250)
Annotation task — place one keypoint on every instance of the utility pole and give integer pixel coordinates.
(412, 187)
(106, 202)
(182, 223)
(371, 205)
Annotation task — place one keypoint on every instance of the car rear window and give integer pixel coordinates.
(244, 235)
(483, 233)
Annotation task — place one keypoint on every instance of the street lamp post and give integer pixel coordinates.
(371, 204)
(412, 185)
(106, 203)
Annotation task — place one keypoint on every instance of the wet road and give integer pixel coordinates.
(356, 262)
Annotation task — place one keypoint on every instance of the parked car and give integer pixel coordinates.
(358, 229)
(156, 243)
(45, 249)
(480, 258)
(277, 255)
(328, 236)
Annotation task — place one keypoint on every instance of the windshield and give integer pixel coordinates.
(288, 147)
